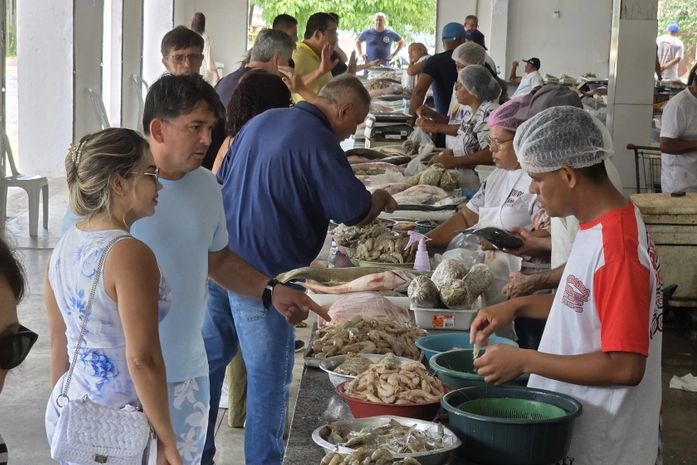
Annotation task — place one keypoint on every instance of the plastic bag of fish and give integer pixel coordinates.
(386, 248)
(452, 283)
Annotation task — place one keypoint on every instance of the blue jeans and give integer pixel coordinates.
(267, 342)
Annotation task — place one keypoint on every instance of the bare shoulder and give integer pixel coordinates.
(131, 256)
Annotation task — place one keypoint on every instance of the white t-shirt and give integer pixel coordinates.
(679, 121)
(669, 48)
(509, 191)
(528, 83)
(610, 299)
(189, 222)
(408, 82)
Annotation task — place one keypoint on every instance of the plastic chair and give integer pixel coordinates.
(139, 85)
(32, 184)
(99, 110)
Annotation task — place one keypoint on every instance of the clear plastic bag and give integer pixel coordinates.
(426, 146)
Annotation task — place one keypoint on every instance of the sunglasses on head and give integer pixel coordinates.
(15, 344)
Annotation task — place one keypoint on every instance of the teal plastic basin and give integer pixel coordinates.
(436, 343)
(456, 369)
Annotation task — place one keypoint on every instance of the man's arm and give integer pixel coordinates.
(233, 273)
(359, 49)
(670, 63)
(400, 46)
(326, 64)
(448, 160)
(415, 68)
(429, 125)
(677, 146)
(501, 364)
(380, 201)
(444, 233)
(419, 94)
(513, 77)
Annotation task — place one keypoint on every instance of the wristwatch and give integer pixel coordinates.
(268, 292)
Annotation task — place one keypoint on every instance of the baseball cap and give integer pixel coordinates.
(452, 31)
(533, 61)
(672, 27)
(475, 36)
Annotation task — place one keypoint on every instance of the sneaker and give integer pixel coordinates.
(299, 345)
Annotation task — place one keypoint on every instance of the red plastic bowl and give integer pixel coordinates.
(362, 408)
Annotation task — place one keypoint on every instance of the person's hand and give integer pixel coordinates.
(293, 81)
(364, 56)
(519, 285)
(426, 124)
(488, 319)
(501, 363)
(444, 158)
(514, 64)
(352, 63)
(533, 246)
(389, 204)
(326, 63)
(167, 455)
(374, 63)
(486, 245)
(294, 305)
(425, 112)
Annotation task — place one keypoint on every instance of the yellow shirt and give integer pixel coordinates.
(306, 61)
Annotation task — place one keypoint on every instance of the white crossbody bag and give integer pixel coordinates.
(88, 433)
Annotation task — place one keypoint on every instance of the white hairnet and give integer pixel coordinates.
(561, 136)
(478, 81)
(469, 53)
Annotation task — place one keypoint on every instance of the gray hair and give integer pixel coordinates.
(469, 53)
(269, 42)
(345, 88)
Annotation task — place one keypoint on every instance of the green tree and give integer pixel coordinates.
(406, 17)
(683, 13)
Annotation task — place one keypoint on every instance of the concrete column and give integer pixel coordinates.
(87, 19)
(226, 25)
(497, 38)
(45, 84)
(111, 63)
(132, 92)
(630, 90)
(157, 20)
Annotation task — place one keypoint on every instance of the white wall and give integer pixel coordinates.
(575, 43)
(45, 84)
(87, 49)
(450, 11)
(226, 25)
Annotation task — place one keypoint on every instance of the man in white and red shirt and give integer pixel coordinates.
(602, 341)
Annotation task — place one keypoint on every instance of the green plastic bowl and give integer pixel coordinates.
(456, 369)
(511, 425)
(436, 343)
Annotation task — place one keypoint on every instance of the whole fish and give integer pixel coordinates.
(393, 280)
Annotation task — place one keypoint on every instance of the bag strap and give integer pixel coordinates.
(88, 308)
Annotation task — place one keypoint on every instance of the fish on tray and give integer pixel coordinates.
(391, 187)
(394, 280)
(421, 194)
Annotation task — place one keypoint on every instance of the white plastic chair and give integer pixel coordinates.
(32, 184)
(99, 110)
(139, 85)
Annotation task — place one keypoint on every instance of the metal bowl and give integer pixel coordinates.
(432, 457)
(328, 364)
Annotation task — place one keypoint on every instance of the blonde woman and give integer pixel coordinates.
(113, 182)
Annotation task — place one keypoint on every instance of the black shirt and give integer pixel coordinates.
(441, 68)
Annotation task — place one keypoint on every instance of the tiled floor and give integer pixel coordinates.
(23, 400)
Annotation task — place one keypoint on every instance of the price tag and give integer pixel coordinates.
(443, 321)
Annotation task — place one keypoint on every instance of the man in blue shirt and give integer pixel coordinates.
(378, 41)
(288, 177)
(439, 72)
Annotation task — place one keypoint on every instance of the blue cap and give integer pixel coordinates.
(452, 31)
(672, 27)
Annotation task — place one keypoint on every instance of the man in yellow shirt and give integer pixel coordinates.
(312, 57)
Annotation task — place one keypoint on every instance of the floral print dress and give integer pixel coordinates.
(101, 371)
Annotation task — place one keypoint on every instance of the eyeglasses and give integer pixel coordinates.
(15, 344)
(495, 144)
(155, 175)
(191, 58)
